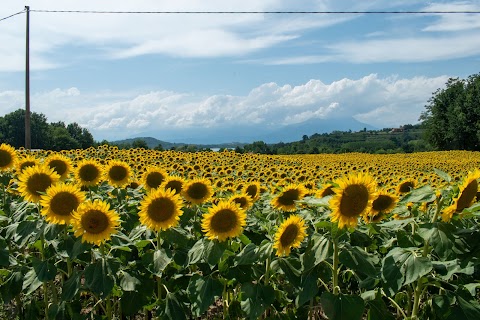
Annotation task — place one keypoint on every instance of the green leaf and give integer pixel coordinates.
(319, 249)
(31, 282)
(4, 254)
(440, 236)
(26, 232)
(416, 267)
(133, 301)
(465, 310)
(13, 286)
(342, 307)
(422, 194)
(378, 310)
(156, 261)
(247, 256)
(174, 309)
(202, 292)
(44, 270)
(256, 298)
(195, 254)
(97, 278)
(71, 287)
(213, 251)
(291, 270)
(308, 288)
(445, 176)
(129, 282)
(359, 261)
(265, 250)
(392, 275)
(446, 269)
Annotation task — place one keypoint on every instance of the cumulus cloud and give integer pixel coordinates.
(381, 102)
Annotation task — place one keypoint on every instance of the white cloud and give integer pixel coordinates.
(381, 102)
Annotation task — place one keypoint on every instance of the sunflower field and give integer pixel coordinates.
(104, 233)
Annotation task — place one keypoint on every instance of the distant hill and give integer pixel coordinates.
(153, 142)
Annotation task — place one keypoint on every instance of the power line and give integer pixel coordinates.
(12, 15)
(255, 12)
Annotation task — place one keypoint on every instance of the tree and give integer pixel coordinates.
(139, 143)
(452, 116)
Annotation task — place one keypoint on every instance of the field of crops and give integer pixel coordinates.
(104, 233)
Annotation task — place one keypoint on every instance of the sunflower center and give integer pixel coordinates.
(63, 203)
(289, 197)
(224, 221)
(251, 191)
(155, 179)
(175, 186)
(117, 173)
(26, 164)
(197, 190)
(382, 203)
(94, 221)
(38, 182)
(5, 158)
(89, 172)
(467, 196)
(161, 209)
(354, 200)
(406, 187)
(58, 165)
(289, 235)
(327, 192)
(241, 201)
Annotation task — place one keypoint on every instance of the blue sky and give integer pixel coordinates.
(121, 75)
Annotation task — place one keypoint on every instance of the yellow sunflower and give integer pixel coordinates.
(60, 201)
(289, 235)
(197, 190)
(383, 203)
(94, 221)
(88, 172)
(153, 178)
(353, 197)
(173, 182)
(253, 189)
(224, 220)
(8, 157)
(406, 186)
(160, 209)
(287, 197)
(117, 173)
(326, 190)
(466, 196)
(242, 199)
(27, 161)
(60, 163)
(33, 181)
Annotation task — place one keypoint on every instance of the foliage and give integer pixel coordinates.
(452, 116)
(412, 264)
(54, 136)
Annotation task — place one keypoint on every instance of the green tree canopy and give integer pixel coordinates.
(452, 115)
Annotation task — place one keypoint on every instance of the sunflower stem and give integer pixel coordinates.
(108, 301)
(45, 284)
(69, 261)
(159, 280)
(336, 288)
(225, 301)
(267, 271)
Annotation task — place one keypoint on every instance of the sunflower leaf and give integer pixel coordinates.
(213, 251)
(247, 256)
(308, 288)
(342, 306)
(71, 287)
(195, 254)
(173, 308)
(98, 279)
(256, 298)
(202, 292)
(442, 174)
(359, 261)
(440, 236)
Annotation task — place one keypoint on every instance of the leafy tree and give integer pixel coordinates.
(452, 117)
(139, 143)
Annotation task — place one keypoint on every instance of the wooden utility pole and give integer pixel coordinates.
(28, 144)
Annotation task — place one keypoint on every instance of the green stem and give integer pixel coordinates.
(159, 280)
(19, 306)
(336, 288)
(45, 284)
(108, 301)
(267, 271)
(416, 300)
(69, 261)
(399, 309)
(225, 301)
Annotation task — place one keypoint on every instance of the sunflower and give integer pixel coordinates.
(326, 190)
(353, 197)
(8, 157)
(383, 203)
(253, 189)
(197, 191)
(27, 161)
(242, 199)
(153, 178)
(406, 186)
(160, 209)
(285, 201)
(94, 221)
(88, 172)
(289, 235)
(60, 163)
(224, 220)
(173, 182)
(117, 173)
(33, 181)
(60, 201)
(466, 196)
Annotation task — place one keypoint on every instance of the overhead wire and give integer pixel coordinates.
(12, 15)
(256, 12)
